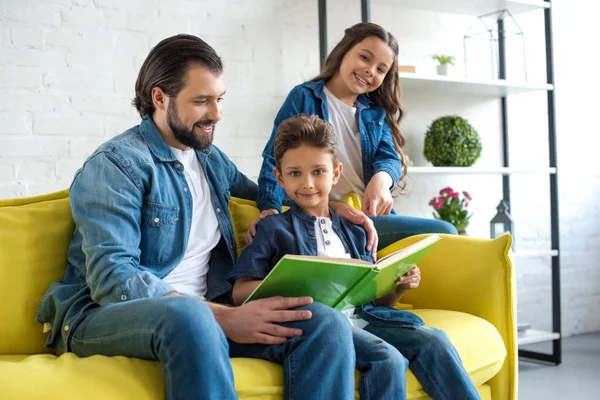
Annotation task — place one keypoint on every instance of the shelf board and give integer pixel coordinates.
(445, 85)
(535, 336)
(478, 170)
(474, 7)
(536, 253)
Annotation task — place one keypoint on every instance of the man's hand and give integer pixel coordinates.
(377, 199)
(358, 218)
(258, 321)
(252, 229)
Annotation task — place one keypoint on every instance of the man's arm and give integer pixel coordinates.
(106, 202)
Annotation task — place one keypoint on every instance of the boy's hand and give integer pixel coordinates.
(358, 218)
(410, 280)
(258, 321)
(252, 228)
(377, 200)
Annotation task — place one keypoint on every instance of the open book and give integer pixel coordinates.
(341, 283)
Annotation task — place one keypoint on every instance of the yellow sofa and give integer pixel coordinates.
(467, 290)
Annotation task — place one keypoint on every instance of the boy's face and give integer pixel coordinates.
(307, 175)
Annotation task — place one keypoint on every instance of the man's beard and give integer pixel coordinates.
(188, 137)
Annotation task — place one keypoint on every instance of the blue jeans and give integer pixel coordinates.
(391, 228)
(384, 354)
(182, 334)
(317, 365)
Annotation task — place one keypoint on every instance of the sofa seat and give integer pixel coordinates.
(99, 377)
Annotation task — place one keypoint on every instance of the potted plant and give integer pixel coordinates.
(450, 206)
(444, 61)
(451, 141)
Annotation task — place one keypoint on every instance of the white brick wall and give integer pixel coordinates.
(68, 69)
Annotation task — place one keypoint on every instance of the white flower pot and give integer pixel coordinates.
(442, 69)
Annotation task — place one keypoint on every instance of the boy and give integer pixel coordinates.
(306, 167)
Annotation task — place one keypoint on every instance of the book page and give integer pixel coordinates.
(407, 251)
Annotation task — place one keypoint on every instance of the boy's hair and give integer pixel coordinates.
(167, 65)
(304, 130)
(389, 94)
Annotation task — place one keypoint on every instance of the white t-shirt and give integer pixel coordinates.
(189, 277)
(344, 121)
(329, 244)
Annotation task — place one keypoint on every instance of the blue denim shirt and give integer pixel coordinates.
(378, 151)
(293, 232)
(133, 210)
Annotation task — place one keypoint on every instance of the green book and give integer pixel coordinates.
(341, 283)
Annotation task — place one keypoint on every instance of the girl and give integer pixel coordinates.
(358, 92)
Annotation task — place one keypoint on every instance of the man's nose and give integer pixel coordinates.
(214, 111)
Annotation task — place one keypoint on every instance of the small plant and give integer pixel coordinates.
(451, 207)
(451, 141)
(443, 59)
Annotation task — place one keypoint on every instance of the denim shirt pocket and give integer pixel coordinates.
(388, 317)
(158, 230)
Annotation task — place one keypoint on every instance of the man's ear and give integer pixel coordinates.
(278, 177)
(159, 99)
(337, 172)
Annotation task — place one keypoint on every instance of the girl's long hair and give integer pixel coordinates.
(389, 94)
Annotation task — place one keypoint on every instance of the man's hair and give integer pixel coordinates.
(166, 67)
(304, 130)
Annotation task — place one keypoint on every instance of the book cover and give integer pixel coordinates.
(340, 282)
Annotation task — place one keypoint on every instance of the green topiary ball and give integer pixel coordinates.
(451, 142)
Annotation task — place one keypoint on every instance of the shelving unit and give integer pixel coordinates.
(479, 170)
(500, 88)
(412, 83)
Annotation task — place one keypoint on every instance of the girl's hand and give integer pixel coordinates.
(358, 218)
(377, 199)
(252, 228)
(410, 280)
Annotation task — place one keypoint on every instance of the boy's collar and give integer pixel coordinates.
(297, 211)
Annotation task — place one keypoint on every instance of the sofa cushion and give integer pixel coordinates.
(98, 377)
(34, 238)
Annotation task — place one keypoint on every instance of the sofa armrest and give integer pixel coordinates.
(475, 276)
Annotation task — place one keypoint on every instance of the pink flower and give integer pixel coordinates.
(467, 195)
(438, 204)
(446, 191)
(454, 194)
(466, 204)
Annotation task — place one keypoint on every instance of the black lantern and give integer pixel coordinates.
(502, 222)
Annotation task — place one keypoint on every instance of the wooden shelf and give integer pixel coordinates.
(536, 253)
(444, 85)
(478, 170)
(535, 336)
(473, 7)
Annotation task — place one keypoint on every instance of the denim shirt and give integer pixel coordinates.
(293, 232)
(378, 151)
(133, 210)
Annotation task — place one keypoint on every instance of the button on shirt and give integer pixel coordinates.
(189, 277)
(329, 244)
